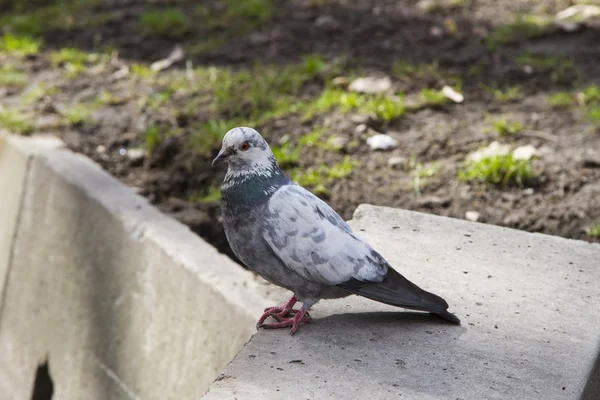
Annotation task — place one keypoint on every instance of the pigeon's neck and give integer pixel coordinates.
(248, 187)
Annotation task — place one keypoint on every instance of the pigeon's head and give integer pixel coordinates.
(244, 149)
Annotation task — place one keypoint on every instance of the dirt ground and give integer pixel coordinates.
(419, 45)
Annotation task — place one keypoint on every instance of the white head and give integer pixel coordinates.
(245, 150)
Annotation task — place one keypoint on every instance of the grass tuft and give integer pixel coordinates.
(506, 128)
(152, 138)
(165, 22)
(593, 231)
(560, 100)
(524, 27)
(15, 121)
(500, 169)
(20, 46)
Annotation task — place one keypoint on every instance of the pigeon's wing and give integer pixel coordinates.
(314, 241)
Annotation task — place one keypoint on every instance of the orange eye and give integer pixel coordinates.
(245, 146)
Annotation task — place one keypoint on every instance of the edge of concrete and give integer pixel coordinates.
(96, 282)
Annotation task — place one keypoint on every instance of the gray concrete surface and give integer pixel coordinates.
(120, 300)
(530, 323)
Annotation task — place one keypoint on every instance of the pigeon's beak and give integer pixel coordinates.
(221, 157)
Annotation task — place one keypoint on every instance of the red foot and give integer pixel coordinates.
(301, 316)
(278, 312)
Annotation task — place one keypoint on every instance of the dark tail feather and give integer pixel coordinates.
(398, 291)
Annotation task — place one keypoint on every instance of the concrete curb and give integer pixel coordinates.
(530, 327)
(122, 301)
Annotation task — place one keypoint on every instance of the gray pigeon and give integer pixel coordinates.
(294, 240)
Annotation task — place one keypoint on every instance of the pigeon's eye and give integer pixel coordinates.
(245, 146)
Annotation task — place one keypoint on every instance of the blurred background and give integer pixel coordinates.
(486, 110)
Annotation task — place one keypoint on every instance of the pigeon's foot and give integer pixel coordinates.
(279, 313)
(300, 316)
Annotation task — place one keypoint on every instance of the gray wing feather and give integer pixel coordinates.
(314, 241)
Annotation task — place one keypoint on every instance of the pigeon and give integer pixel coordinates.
(293, 239)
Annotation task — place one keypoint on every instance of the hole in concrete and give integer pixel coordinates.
(43, 387)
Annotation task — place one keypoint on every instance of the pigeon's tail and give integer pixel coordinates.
(398, 291)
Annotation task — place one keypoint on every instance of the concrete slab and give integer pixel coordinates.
(122, 301)
(530, 326)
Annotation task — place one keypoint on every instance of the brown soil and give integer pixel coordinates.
(368, 36)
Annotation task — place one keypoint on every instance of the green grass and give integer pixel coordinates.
(209, 135)
(35, 93)
(384, 108)
(510, 94)
(287, 153)
(19, 45)
(505, 127)
(339, 170)
(381, 107)
(165, 22)
(498, 170)
(408, 72)
(142, 71)
(213, 195)
(593, 113)
(10, 77)
(524, 27)
(591, 94)
(560, 100)
(52, 16)
(433, 98)
(79, 113)
(72, 60)
(421, 173)
(593, 231)
(317, 179)
(15, 121)
(152, 138)
(561, 69)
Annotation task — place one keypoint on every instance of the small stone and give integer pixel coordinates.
(338, 142)
(436, 31)
(361, 128)
(136, 156)
(382, 142)
(433, 201)
(472, 216)
(427, 5)
(327, 22)
(101, 149)
(528, 69)
(359, 118)
(524, 152)
(453, 94)
(528, 191)
(371, 84)
(340, 81)
(397, 162)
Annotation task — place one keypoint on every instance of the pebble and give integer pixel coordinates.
(524, 152)
(371, 84)
(382, 142)
(338, 142)
(359, 118)
(433, 201)
(397, 162)
(472, 216)
(135, 155)
(361, 128)
(340, 81)
(327, 22)
(453, 94)
(101, 149)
